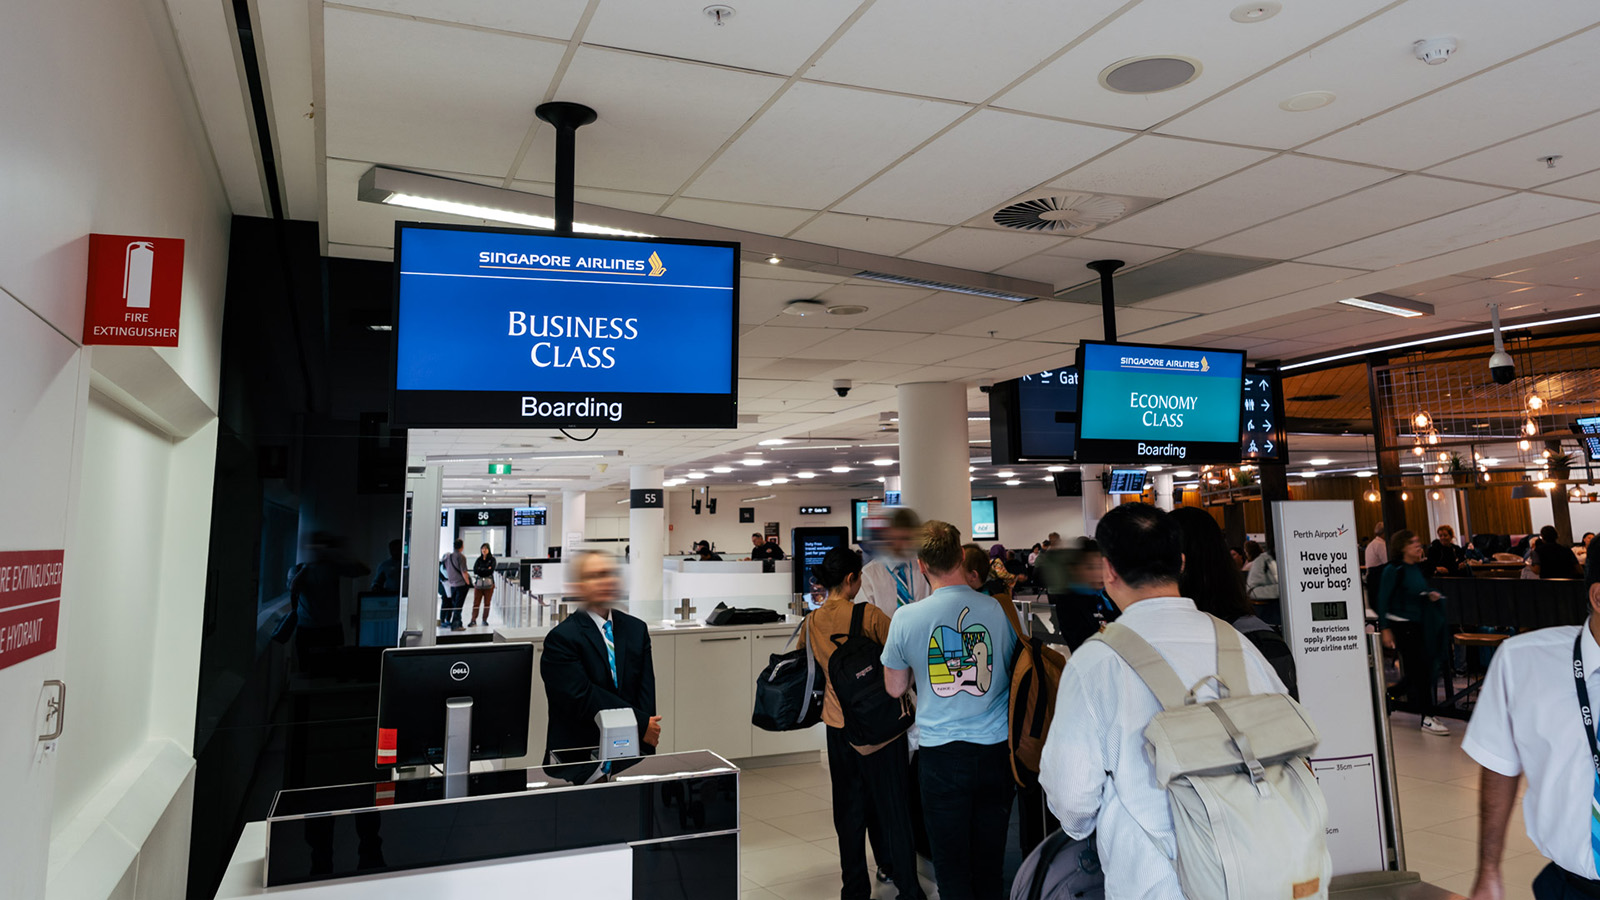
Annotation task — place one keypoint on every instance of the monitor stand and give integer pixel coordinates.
(457, 745)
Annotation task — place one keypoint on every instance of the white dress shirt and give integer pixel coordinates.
(1377, 553)
(879, 577)
(1527, 722)
(1094, 768)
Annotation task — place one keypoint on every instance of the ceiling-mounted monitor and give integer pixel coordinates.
(1034, 418)
(505, 328)
(1588, 430)
(1154, 404)
(1125, 481)
(985, 519)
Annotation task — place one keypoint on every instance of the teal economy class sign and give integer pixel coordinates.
(1159, 404)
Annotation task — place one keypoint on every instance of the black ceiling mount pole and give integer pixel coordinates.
(1108, 303)
(567, 118)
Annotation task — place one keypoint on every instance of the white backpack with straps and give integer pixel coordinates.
(1248, 816)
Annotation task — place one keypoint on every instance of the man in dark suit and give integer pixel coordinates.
(597, 658)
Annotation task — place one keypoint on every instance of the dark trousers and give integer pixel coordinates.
(966, 796)
(1418, 665)
(1555, 883)
(452, 607)
(875, 785)
(1034, 820)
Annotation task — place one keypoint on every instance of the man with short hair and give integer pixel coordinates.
(1094, 769)
(1536, 704)
(1553, 559)
(891, 578)
(454, 564)
(762, 550)
(596, 659)
(959, 646)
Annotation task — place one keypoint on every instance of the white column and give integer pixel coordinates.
(934, 454)
(574, 513)
(1094, 499)
(647, 535)
(422, 591)
(1164, 491)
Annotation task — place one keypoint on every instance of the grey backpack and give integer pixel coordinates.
(1248, 816)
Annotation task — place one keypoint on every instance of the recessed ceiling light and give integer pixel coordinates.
(1055, 468)
(1319, 461)
(805, 474)
(697, 475)
(765, 482)
(774, 259)
(1250, 13)
(1185, 473)
(881, 480)
(1152, 468)
(846, 309)
(774, 442)
(752, 461)
(1308, 474)
(883, 462)
(780, 480)
(1012, 482)
(1364, 473)
(1149, 74)
(1006, 474)
(722, 470)
(380, 327)
(1306, 101)
(839, 469)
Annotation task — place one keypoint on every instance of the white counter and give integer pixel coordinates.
(734, 582)
(705, 690)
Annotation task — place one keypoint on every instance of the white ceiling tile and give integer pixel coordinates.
(763, 36)
(1585, 187)
(549, 18)
(856, 344)
(984, 161)
(908, 45)
(936, 313)
(655, 128)
(1161, 167)
(1028, 320)
(1011, 353)
(633, 201)
(1130, 320)
(1487, 222)
(1453, 121)
(411, 94)
(1518, 163)
(867, 234)
(816, 143)
(1227, 51)
(935, 348)
(1258, 284)
(1473, 291)
(774, 220)
(1274, 188)
(1065, 266)
(981, 249)
(870, 371)
(940, 373)
(1390, 204)
(1371, 67)
(762, 298)
(755, 388)
(773, 341)
(794, 368)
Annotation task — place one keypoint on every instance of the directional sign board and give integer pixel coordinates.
(1262, 431)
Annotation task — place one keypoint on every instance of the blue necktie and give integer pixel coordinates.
(902, 584)
(611, 652)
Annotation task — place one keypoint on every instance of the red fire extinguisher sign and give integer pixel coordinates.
(135, 290)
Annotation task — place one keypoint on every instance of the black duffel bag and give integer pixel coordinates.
(735, 615)
(789, 690)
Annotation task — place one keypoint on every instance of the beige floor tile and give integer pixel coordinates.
(781, 865)
(753, 784)
(1521, 870)
(829, 844)
(787, 803)
(820, 887)
(758, 894)
(1466, 829)
(808, 826)
(758, 835)
(1426, 805)
(1435, 856)
(809, 776)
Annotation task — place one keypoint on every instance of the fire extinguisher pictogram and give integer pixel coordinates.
(139, 266)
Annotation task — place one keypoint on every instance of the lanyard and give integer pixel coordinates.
(1583, 702)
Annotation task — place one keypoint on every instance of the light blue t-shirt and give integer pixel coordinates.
(960, 644)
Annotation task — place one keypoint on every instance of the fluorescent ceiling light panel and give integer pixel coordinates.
(909, 281)
(501, 457)
(1388, 303)
(472, 211)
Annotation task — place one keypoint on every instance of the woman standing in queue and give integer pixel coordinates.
(482, 583)
(868, 782)
(1412, 622)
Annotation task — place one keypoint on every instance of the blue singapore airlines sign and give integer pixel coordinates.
(504, 328)
(1158, 404)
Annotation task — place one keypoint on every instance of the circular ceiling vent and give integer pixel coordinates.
(1067, 212)
(804, 308)
(1149, 74)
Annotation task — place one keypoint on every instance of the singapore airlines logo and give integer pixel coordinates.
(1204, 366)
(656, 268)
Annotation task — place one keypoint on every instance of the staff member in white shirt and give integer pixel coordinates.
(891, 578)
(1536, 715)
(1094, 770)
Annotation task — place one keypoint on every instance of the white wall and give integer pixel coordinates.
(98, 134)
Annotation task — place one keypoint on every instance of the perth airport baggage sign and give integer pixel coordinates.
(503, 328)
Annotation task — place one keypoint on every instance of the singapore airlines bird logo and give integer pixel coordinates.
(1204, 366)
(656, 268)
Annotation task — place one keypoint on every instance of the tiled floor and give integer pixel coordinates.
(790, 851)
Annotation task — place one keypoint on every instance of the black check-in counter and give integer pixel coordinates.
(674, 817)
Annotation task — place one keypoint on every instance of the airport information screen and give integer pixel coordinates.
(1152, 404)
(506, 328)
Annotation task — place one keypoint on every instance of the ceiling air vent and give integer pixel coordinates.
(1067, 213)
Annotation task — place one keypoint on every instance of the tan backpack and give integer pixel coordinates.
(1034, 677)
(1248, 816)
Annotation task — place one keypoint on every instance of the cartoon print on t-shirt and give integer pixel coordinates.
(960, 659)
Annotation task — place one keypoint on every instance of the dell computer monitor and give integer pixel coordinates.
(416, 682)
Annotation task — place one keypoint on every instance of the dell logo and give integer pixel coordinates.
(459, 671)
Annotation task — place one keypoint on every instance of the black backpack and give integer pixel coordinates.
(855, 670)
(789, 690)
